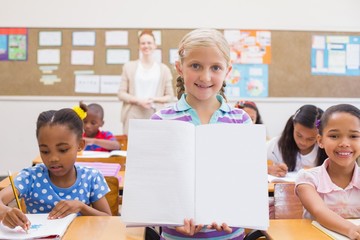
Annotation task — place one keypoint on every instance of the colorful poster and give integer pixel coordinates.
(247, 81)
(335, 55)
(3, 47)
(13, 44)
(17, 47)
(249, 46)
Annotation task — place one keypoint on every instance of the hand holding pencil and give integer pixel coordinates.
(15, 217)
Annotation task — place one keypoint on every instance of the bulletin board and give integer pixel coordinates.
(289, 70)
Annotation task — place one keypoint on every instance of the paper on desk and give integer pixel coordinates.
(41, 227)
(332, 234)
(289, 177)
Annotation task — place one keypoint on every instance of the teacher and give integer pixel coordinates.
(146, 85)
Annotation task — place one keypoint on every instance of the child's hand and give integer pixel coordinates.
(354, 232)
(64, 208)
(278, 169)
(14, 218)
(223, 227)
(189, 228)
(89, 141)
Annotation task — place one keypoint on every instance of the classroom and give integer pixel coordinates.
(19, 112)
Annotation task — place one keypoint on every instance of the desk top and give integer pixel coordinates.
(101, 228)
(294, 229)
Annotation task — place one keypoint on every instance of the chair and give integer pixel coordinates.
(113, 196)
(123, 141)
(287, 204)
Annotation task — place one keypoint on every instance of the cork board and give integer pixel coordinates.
(289, 71)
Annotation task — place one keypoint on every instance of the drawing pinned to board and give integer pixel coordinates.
(249, 46)
(247, 80)
(13, 44)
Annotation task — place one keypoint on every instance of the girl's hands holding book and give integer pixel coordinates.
(189, 228)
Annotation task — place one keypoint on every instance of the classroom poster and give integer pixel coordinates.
(3, 48)
(249, 46)
(247, 81)
(335, 55)
(13, 44)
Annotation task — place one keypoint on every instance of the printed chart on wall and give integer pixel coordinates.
(13, 44)
(335, 55)
(250, 54)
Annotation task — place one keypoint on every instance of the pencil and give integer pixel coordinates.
(14, 191)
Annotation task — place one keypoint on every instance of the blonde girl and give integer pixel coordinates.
(204, 62)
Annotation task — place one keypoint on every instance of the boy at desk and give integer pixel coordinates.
(95, 139)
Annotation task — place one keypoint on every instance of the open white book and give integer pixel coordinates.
(213, 172)
(332, 234)
(289, 177)
(41, 227)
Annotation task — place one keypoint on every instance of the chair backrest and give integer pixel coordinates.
(113, 196)
(287, 204)
(123, 141)
(116, 159)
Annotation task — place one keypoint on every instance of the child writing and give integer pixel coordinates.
(204, 62)
(57, 186)
(95, 139)
(296, 148)
(251, 109)
(331, 192)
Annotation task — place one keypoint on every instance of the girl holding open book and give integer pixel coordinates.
(58, 186)
(330, 193)
(204, 62)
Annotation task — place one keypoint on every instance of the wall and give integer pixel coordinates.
(322, 15)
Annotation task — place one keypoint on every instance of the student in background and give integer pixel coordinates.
(251, 109)
(57, 186)
(296, 148)
(145, 84)
(95, 138)
(331, 192)
(204, 62)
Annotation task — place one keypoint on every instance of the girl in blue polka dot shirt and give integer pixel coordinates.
(58, 186)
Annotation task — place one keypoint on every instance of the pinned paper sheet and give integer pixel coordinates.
(87, 83)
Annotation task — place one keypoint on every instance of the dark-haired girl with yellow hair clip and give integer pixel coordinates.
(58, 186)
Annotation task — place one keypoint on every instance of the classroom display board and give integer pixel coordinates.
(289, 70)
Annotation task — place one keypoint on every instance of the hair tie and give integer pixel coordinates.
(317, 123)
(80, 112)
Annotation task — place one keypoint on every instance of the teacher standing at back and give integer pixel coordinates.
(145, 84)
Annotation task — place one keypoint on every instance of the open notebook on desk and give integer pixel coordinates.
(98, 154)
(41, 227)
(289, 177)
(332, 234)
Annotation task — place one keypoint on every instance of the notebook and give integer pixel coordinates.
(41, 227)
(210, 172)
(289, 177)
(332, 234)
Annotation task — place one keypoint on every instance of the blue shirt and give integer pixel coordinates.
(41, 195)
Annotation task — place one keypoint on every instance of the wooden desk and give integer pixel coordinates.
(294, 229)
(101, 228)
